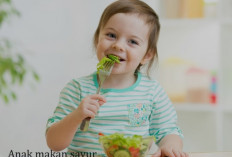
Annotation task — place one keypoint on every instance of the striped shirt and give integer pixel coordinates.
(143, 109)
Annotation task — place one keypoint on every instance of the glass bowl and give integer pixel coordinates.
(117, 145)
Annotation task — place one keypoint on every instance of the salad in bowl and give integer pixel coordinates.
(118, 145)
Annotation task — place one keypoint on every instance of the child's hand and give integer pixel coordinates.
(89, 106)
(169, 152)
(170, 146)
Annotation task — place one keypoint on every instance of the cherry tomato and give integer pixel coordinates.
(134, 151)
(100, 134)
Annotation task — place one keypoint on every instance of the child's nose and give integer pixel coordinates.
(118, 45)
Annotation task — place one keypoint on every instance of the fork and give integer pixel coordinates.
(102, 75)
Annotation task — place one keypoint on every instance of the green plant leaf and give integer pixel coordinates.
(5, 98)
(36, 76)
(13, 95)
(13, 66)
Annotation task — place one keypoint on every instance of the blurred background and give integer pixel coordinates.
(44, 44)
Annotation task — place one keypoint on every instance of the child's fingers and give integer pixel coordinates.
(98, 97)
(167, 153)
(185, 154)
(98, 102)
(94, 107)
(177, 154)
(101, 102)
(89, 113)
(95, 103)
(91, 104)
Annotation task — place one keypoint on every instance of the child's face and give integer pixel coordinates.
(126, 36)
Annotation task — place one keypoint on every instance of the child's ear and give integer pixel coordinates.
(148, 56)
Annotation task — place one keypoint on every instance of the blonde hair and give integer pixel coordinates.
(143, 10)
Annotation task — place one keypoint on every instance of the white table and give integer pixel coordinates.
(211, 154)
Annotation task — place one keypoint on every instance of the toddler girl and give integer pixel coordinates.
(129, 101)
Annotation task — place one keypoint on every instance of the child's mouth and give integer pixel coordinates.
(119, 58)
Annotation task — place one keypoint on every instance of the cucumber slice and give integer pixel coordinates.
(143, 147)
(122, 153)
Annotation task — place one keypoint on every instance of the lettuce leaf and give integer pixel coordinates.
(110, 58)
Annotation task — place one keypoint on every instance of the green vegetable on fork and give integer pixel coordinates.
(109, 58)
(104, 68)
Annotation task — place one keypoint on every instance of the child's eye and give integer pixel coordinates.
(111, 35)
(133, 42)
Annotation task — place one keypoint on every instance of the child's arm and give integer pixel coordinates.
(171, 145)
(164, 127)
(60, 134)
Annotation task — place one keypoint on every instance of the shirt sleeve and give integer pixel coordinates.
(163, 120)
(69, 100)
